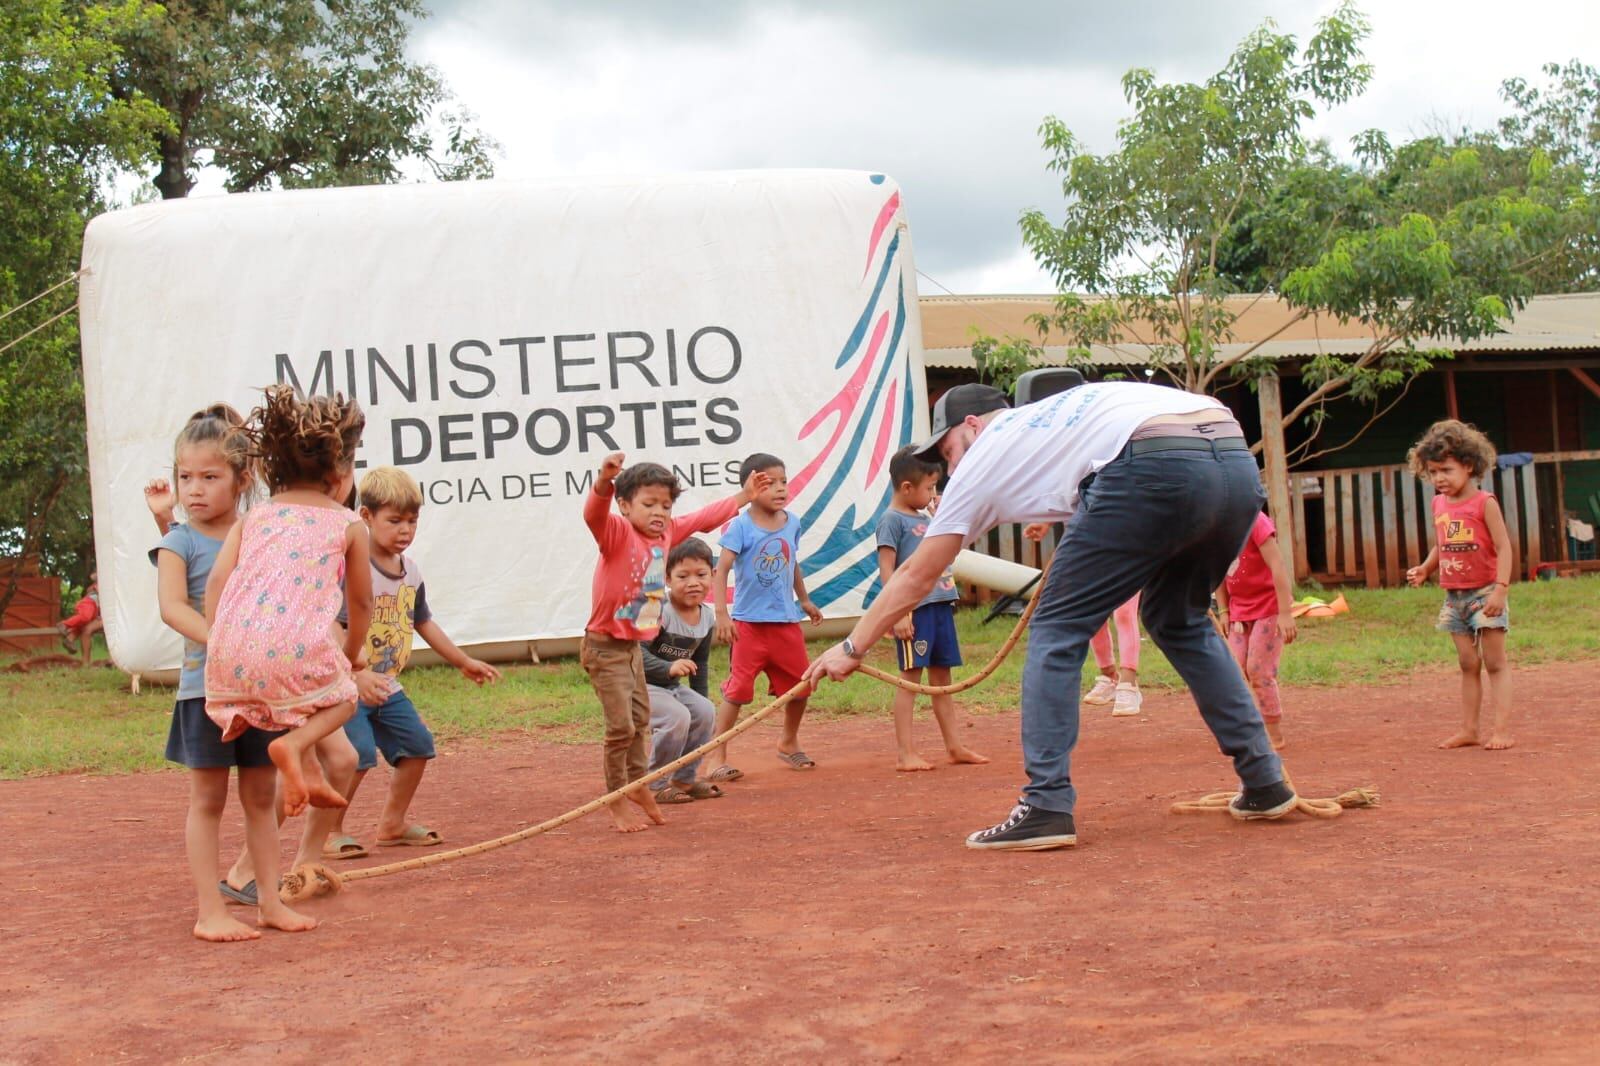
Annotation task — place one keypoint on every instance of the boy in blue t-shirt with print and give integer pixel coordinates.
(925, 638)
(761, 548)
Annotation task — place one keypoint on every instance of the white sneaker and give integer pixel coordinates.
(1104, 688)
(1129, 700)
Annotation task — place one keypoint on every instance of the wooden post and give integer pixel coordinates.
(1277, 467)
(1452, 409)
(1561, 481)
(1297, 500)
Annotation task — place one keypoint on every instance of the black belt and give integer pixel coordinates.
(1186, 444)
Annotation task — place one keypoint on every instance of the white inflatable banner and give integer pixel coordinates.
(503, 337)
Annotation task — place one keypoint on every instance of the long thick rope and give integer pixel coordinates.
(316, 879)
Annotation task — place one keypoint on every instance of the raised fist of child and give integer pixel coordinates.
(611, 466)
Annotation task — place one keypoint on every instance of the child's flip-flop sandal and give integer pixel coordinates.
(797, 760)
(244, 897)
(415, 836)
(725, 773)
(674, 794)
(344, 847)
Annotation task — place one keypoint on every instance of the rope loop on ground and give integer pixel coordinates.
(1316, 808)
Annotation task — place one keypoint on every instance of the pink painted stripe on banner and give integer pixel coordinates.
(884, 215)
(842, 405)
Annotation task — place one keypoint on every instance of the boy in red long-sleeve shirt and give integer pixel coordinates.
(629, 590)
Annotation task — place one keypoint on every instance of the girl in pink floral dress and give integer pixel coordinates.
(274, 660)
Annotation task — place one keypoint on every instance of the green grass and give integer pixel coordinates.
(64, 721)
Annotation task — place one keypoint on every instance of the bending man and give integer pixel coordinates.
(1164, 492)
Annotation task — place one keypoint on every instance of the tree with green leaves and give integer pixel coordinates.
(1562, 119)
(295, 93)
(1215, 190)
(62, 136)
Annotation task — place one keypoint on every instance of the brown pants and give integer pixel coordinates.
(616, 670)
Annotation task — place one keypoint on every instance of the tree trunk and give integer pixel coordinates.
(32, 535)
(173, 180)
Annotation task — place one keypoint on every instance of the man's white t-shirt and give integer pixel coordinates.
(1026, 464)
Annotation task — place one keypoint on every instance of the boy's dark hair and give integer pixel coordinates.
(637, 476)
(905, 465)
(693, 548)
(758, 461)
(1451, 439)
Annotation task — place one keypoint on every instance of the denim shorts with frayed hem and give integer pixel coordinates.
(1463, 612)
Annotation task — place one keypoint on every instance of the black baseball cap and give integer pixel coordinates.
(953, 408)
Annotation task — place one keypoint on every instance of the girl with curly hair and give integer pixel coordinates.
(1472, 552)
(274, 661)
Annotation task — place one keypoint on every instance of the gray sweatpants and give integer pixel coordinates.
(680, 720)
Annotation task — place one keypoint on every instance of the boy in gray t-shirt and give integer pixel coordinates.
(681, 716)
(925, 638)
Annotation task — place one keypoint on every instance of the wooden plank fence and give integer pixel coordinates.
(1376, 523)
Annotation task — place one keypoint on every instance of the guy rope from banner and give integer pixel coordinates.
(317, 879)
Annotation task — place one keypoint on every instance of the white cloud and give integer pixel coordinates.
(647, 88)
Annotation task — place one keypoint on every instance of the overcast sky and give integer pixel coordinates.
(944, 95)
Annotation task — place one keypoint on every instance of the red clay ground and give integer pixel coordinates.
(835, 914)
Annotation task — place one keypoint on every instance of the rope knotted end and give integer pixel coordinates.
(1360, 797)
(308, 882)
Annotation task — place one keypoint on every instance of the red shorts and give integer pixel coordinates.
(776, 648)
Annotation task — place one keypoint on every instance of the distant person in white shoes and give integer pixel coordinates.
(1118, 683)
(1164, 491)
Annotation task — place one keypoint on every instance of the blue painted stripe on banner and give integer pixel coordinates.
(859, 333)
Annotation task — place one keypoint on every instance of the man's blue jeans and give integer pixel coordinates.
(1169, 523)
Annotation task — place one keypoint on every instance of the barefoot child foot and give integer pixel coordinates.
(277, 915)
(1460, 740)
(623, 817)
(319, 792)
(910, 762)
(646, 801)
(292, 793)
(960, 755)
(222, 929)
(1499, 742)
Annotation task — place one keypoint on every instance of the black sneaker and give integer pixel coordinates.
(1028, 828)
(1256, 804)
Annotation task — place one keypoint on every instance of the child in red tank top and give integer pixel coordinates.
(1472, 552)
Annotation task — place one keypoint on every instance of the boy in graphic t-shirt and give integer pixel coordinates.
(1472, 552)
(385, 718)
(761, 549)
(681, 716)
(628, 593)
